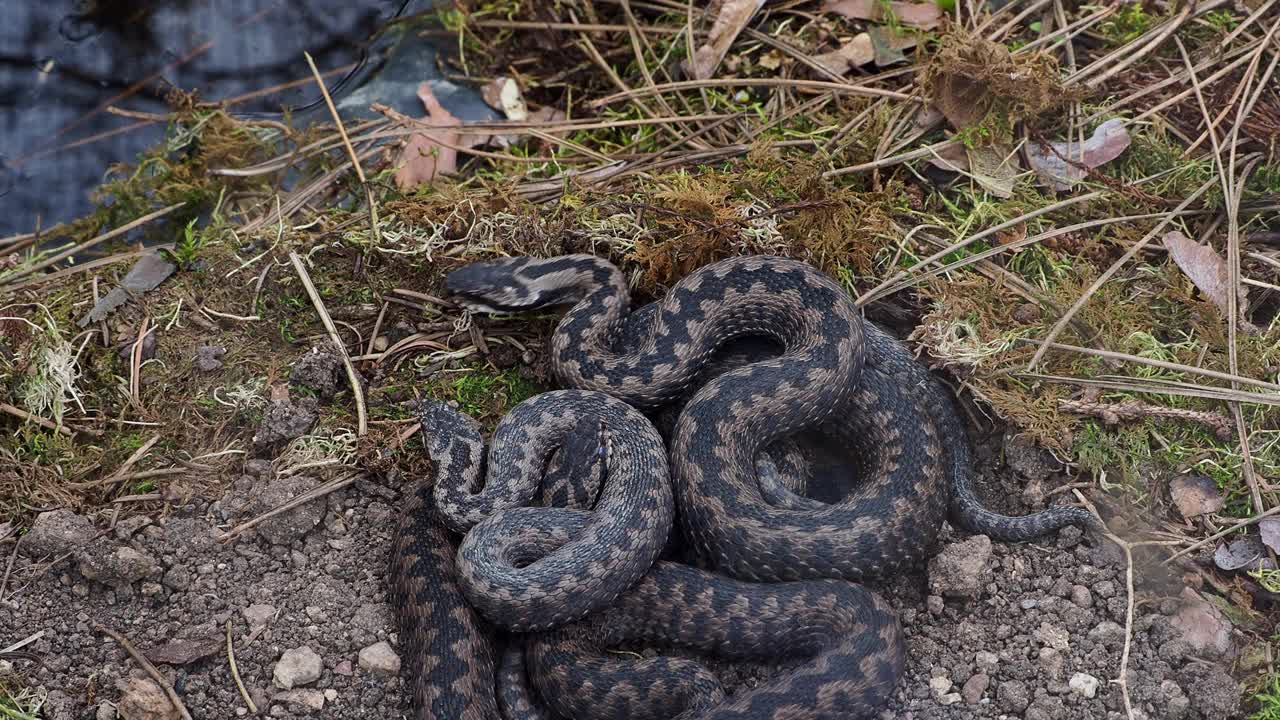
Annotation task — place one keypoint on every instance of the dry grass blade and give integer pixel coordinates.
(351, 152)
(811, 85)
(1162, 364)
(1156, 387)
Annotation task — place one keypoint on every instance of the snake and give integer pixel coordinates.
(762, 543)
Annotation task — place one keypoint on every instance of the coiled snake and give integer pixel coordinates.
(783, 561)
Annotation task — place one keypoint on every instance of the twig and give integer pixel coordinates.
(327, 488)
(148, 667)
(361, 420)
(1114, 413)
(42, 422)
(4, 582)
(1128, 611)
(351, 152)
(235, 672)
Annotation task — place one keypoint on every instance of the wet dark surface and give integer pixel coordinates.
(62, 63)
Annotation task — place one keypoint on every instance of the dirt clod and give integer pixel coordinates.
(56, 532)
(958, 571)
(319, 371)
(209, 357)
(119, 567)
(286, 420)
(291, 524)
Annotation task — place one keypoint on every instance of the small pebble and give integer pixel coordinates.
(1085, 684)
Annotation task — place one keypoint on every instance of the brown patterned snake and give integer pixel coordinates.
(782, 568)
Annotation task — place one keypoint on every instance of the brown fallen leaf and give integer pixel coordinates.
(855, 53)
(953, 158)
(1108, 141)
(732, 18)
(925, 16)
(995, 168)
(1269, 528)
(888, 45)
(1205, 267)
(1195, 495)
(430, 153)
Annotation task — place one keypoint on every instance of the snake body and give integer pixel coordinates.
(770, 546)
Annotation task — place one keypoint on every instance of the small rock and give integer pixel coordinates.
(130, 526)
(143, 699)
(119, 568)
(1202, 626)
(177, 578)
(380, 658)
(1105, 589)
(209, 357)
(1053, 636)
(343, 668)
(975, 687)
(330, 694)
(1012, 696)
(297, 666)
(986, 661)
(306, 699)
(1108, 633)
(292, 524)
(1081, 596)
(958, 570)
(258, 615)
(55, 533)
(935, 604)
(105, 711)
(1084, 683)
(258, 468)
(1052, 662)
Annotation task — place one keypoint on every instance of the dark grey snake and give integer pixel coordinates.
(772, 554)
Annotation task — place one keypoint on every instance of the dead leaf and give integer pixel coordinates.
(889, 45)
(953, 158)
(734, 16)
(771, 60)
(855, 53)
(504, 94)
(1205, 267)
(1195, 495)
(963, 100)
(430, 153)
(146, 274)
(1247, 552)
(184, 652)
(925, 16)
(1270, 527)
(995, 168)
(1051, 163)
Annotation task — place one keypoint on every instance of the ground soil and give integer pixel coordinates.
(1045, 611)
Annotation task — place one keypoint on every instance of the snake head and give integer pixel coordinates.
(443, 425)
(518, 284)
